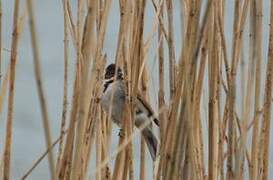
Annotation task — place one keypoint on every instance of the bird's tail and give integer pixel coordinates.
(151, 141)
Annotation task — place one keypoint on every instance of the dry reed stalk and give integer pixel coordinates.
(256, 14)
(77, 170)
(129, 162)
(183, 15)
(72, 27)
(64, 168)
(103, 27)
(143, 88)
(119, 168)
(120, 161)
(206, 49)
(135, 42)
(126, 169)
(231, 96)
(94, 78)
(167, 141)
(90, 135)
(189, 86)
(123, 158)
(65, 101)
(243, 66)
(38, 78)
(142, 159)
(223, 54)
(96, 126)
(240, 157)
(124, 14)
(195, 145)
(80, 152)
(80, 24)
(240, 153)
(164, 127)
(3, 91)
(65, 165)
(158, 8)
(83, 43)
(220, 22)
(39, 160)
(238, 27)
(13, 59)
(6, 77)
(202, 28)
(120, 171)
(99, 12)
(213, 97)
(239, 127)
(105, 149)
(102, 147)
(172, 143)
(166, 155)
(136, 55)
(182, 162)
(223, 139)
(265, 131)
(169, 5)
(135, 62)
(161, 94)
(198, 95)
(98, 149)
(97, 71)
(1, 12)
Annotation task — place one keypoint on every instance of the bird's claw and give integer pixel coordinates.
(121, 133)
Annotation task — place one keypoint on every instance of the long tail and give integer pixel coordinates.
(151, 141)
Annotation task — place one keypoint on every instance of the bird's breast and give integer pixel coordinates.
(113, 100)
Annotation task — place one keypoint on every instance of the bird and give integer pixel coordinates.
(114, 90)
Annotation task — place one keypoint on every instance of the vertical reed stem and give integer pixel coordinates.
(169, 5)
(267, 101)
(13, 60)
(65, 101)
(38, 78)
(1, 12)
(256, 13)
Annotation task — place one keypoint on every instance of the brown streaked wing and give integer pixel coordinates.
(148, 107)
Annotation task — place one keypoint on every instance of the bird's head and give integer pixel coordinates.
(110, 72)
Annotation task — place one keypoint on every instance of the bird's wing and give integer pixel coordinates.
(148, 107)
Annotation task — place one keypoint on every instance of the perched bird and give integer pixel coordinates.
(114, 89)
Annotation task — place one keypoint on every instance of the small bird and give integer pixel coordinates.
(115, 88)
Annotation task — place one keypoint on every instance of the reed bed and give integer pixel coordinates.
(204, 133)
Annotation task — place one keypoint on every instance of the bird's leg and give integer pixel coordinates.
(121, 133)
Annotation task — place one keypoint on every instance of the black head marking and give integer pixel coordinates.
(110, 72)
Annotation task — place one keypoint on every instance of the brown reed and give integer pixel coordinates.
(9, 126)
